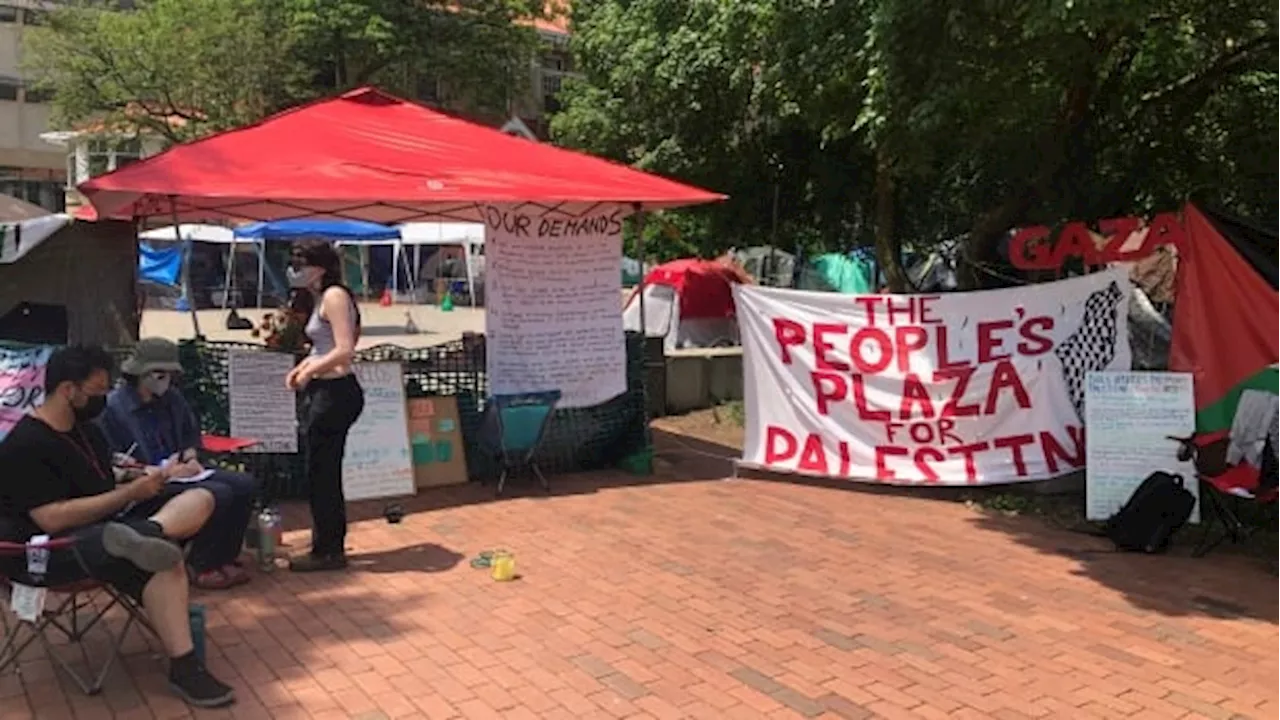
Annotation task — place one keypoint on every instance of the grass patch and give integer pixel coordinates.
(732, 412)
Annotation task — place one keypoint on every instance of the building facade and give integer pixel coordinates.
(30, 169)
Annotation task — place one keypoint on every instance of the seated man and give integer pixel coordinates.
(148, 419)
(58, 481)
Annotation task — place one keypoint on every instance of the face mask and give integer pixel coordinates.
(297, 278)
(92, 408)
(157, 384)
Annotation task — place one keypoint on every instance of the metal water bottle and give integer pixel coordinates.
(266, 540)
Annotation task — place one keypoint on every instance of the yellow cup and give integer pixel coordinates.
(503, 566)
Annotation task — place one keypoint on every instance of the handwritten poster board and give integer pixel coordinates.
(262, 408)
(21, 383)
(435, 441)
(552, 315)
(377, 462)
(1129, 417)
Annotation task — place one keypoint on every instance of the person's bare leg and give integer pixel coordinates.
(165, 599)
(185, 513)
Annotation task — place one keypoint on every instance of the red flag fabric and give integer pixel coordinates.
(1224, 323)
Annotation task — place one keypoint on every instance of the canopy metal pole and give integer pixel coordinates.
(231, 264)
(186, 267)
(262, 268)
(471, 276)
(644, 327)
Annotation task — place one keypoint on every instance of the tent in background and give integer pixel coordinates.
(768, 265)
(834, 272)
(450, 240)
(689, 303)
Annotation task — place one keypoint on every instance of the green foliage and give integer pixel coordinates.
(217, 64)
(970, 118)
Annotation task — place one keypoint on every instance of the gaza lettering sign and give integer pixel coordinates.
(966, 388)
(1035, 248)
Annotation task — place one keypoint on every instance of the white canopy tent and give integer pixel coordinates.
(469, 236)
(217, 235)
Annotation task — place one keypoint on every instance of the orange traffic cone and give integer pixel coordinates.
(385, 300)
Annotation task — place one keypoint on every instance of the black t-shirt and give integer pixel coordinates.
(39, 465)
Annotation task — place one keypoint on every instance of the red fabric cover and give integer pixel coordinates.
(1224, 328)
(705, 287)
(219, 444)
(366, 155)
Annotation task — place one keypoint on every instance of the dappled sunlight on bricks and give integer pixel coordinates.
(741, 599)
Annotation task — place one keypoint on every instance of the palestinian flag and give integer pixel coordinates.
(1225, 334)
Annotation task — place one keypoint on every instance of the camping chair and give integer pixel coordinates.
(513, 429)
(1227, 498)
(62, 614)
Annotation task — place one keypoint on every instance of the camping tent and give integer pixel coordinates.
(768, 265)
(155, 262)
(690, 304)
(834, 272)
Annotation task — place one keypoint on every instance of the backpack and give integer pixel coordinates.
(1156, 510)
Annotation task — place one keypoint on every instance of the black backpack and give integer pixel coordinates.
(1156, 510)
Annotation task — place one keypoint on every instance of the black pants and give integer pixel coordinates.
(89, 560)
(330, 408)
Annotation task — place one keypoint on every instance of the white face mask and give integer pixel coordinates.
(157, 383)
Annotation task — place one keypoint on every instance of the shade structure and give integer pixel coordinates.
(327, 229)
(366, 155)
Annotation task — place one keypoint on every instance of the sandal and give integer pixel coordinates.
(212, 580)
(236, 574)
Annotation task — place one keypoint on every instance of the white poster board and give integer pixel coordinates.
(553, 315)
(1129, 418)
(377, 463)
(262, 408)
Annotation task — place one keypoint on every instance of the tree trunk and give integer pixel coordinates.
(888, 248)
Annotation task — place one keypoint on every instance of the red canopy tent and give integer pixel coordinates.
(366, 155)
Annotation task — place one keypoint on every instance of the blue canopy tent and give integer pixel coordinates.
(339, 231)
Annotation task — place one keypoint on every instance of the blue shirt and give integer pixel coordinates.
(154, 430)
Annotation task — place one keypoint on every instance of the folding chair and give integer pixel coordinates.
(64, 616)
(1229, 493)
(513, 429)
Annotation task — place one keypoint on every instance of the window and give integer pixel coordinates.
(9, 88)
(108, 155)
(37, 96)
(8, 14)
(429, 90)
(99, 158)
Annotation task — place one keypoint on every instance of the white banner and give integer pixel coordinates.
(966, 388)
(553, 308)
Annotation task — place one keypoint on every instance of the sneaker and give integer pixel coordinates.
(152, 554)
(317, 563)
(200, 689)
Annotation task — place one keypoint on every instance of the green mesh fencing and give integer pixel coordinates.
(577, 439)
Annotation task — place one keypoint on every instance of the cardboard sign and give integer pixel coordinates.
(435, 441)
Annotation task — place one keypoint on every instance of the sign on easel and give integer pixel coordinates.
(377, 463)
(262, 408)
(1129, 418)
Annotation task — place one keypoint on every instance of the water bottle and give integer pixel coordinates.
(195, 612)
(266, 540)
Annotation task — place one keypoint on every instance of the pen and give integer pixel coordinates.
(132, 447)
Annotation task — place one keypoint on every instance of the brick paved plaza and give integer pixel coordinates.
(720, 599)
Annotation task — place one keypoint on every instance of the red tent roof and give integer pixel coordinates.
(369, 156)
(705, 287)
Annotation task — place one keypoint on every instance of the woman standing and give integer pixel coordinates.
(332, 399)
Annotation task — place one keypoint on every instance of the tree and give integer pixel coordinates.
(911, 121)
(216, 64)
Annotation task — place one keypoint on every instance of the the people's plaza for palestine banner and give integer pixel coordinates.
(966, 388)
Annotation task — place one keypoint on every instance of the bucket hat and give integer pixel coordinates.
(152, 354)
